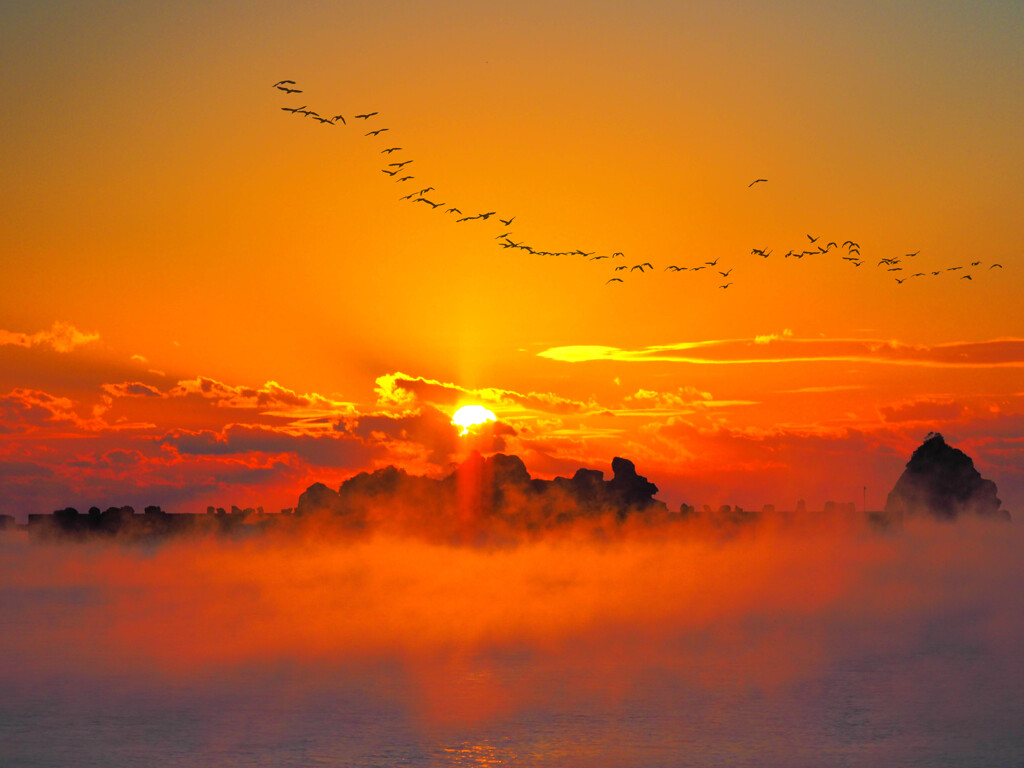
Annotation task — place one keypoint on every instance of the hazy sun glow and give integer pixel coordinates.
(470, 415)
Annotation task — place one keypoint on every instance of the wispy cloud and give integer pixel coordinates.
(994, 353)
(822, 390)
(403, 389)
(62, 337)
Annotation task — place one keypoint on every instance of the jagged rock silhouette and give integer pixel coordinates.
(483, 486)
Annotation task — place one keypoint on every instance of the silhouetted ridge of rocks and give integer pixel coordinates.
(941, 481)
(493, 486)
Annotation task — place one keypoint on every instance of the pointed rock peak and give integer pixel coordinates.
(941, 481)
(623, 468)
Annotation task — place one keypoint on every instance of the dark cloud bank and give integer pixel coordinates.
(495, 496)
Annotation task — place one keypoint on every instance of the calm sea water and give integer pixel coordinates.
(883, 712)
(947, 692)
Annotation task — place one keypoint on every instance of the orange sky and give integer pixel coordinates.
(209, 300)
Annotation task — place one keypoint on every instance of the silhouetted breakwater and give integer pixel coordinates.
(154, 522)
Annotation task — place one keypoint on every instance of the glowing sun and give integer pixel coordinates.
(470, 415)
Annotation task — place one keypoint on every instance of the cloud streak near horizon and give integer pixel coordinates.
(993, 353)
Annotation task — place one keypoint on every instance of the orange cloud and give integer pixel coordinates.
(272, 398)
(338, 450)
(932, 411)
(62, 337)
(131, 389)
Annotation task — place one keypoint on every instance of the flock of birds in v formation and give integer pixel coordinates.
(849, 249)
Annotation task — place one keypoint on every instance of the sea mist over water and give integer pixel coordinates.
(657, 645)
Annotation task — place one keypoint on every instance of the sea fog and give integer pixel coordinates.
(665, 645)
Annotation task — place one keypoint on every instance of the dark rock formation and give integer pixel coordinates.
(941, 481)
(628, 489)
(318, 498)
(481, 488)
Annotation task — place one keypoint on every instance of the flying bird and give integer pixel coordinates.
(614, 280)
(755, 181)
(726, 274)
(283, 82)
(911, 255)
(812, 239)
(367, 115)
(966, 277)
(336, 118)
(713, 263)
(406, 178)
(725, 286)
(389, 173)
(507, 223)
(996, 265)
(900, 281)
(673, 267)
(389, 150)
(453, 210)
(851, 244)
(375, 133)
(289, 90)
(293, 110)
(401, 164)
(617, 269)
(641, 266)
